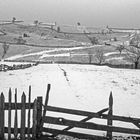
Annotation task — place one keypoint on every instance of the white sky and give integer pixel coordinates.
(124, 13)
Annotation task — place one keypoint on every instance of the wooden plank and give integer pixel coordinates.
(89, 125)
(9, 114)
(46, 104)
(74, 112)
(46, 100)
(73, 134)
(16, 117)
(109, 120)
(19, 130)
(29, 113)
(34, 128)
(136, 124)
(92, 114)
(23, 117)
(39, 115)
(87, 118)
(1, 110)
(19, 106)
(2, 99)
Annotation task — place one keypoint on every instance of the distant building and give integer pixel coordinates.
(49, 25)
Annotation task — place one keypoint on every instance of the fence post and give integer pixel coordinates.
(2, 116)
(45, 106)
(29, 113)
(16, 118)
(39, 115)
(110, 113)
(23, 115)
(34, 120)
(9, 115)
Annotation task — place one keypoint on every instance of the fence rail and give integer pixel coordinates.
(109, 128)
(88, 125)
(4, 67)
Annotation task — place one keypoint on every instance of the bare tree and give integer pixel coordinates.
(120, 48)
(133, 50)
(135, 40)
(5, 47)
(133, 54)
(93, 39)
(100, 56)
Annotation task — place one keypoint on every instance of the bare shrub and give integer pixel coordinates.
(120, 48)
(5, 47)
(100, 56)
(133, 50)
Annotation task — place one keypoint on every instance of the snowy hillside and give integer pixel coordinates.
(81, 87)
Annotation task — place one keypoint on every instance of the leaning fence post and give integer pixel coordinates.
(9, 115)
(110, 113)
(23, 115)
(39, 115)
(45, 106)
(2, 116)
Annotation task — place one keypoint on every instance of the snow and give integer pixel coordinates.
(84, 87)
(44, 54)
(55, 55)
(12, 63)
(111, 53)
(116, 58)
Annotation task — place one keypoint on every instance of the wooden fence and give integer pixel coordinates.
(39, 117)
(25, 107)
(109, 128)
(4, 67)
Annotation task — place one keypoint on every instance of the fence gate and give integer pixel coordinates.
(69, 124)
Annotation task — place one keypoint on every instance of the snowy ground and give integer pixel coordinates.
(45, 53)
(84, 87)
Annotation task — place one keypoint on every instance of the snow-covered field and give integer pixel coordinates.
(45, 53)
(85, 87)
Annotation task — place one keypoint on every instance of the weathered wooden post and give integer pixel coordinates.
(34, 128)
(110, 113)
(23, 115)
(39, 115)
(9, 115)
(16, 118)
(2, 99)
(45, 106)
(29, 113)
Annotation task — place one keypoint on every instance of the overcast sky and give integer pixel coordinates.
(122, 13)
